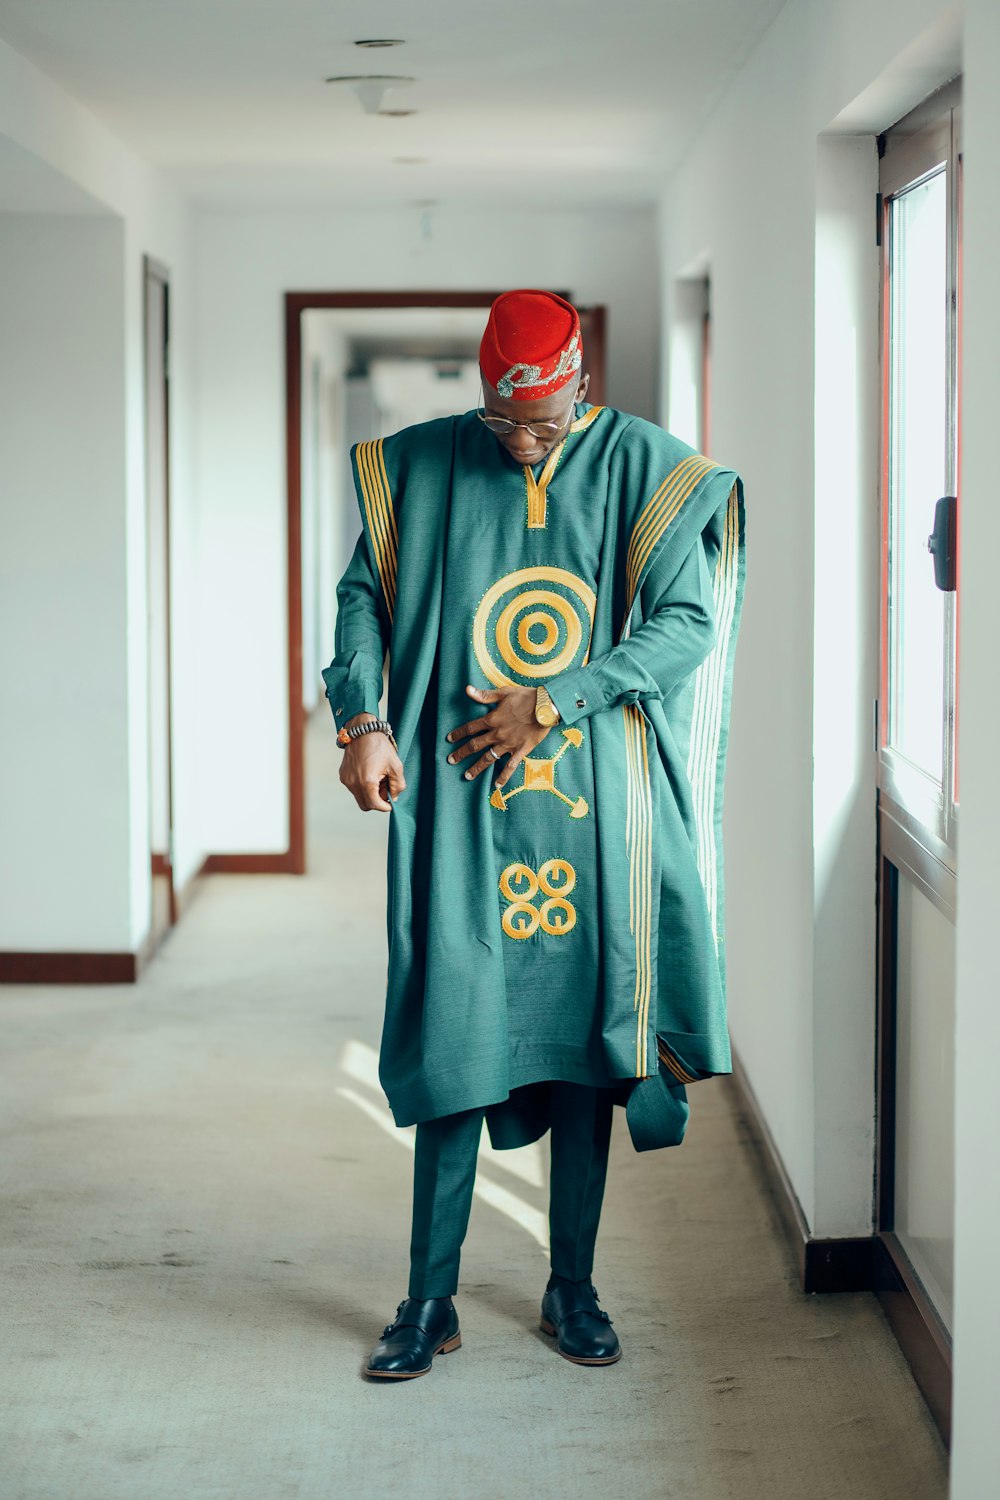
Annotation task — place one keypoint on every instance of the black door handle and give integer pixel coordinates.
(941, 543)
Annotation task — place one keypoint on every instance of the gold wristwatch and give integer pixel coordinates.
(545, 710)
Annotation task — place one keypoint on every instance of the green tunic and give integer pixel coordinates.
(568, 927)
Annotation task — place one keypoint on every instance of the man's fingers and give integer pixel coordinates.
(471, 747)
(474, 726)
(484, 695)
(510, 766)
(397, 781)
(482, 764)
(373, 795)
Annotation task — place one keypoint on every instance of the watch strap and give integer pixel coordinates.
(546, 712)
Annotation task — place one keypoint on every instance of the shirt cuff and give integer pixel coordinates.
(575, 694)
(354, 698)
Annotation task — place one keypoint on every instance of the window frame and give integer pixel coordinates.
(925, 813)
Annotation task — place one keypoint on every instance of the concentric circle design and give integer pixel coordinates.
(535, 621)
(531, 624)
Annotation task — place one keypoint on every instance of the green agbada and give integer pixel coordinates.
(571, 925)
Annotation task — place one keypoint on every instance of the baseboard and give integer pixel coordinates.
(69, 968)
(919, 1331)
(125, 968)
(823, 1265)
(251, 864)
(875, 1263)
(185, 894)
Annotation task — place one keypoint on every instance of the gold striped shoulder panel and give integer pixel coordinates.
(663, 507)
(380, 515)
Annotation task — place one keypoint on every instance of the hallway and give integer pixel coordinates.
(206, 1226)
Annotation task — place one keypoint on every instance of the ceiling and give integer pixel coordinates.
(562, 103)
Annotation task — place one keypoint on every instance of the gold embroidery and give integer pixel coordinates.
(670, 1060)
(563, 608)
(549, 877)
(546, 606)
(520, 909)
(538, 488)
(549, 924)
(527, 623)
(638, 839)
(519, 872)
(377, 497)
(540, 776)
(555, 879)
(582, 423)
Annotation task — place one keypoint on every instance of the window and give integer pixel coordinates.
(919, 212)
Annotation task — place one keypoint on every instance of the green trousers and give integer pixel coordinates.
(445, 1172)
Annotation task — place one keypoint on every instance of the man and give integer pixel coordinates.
(558, 586)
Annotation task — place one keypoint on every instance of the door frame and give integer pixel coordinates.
(154, 270)
(293, 861)
(296, 303)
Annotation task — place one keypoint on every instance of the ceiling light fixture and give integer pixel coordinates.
(396, 114)
(371, 88)
(380, 41)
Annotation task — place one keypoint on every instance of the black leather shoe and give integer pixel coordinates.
(409, 1343)
(583, 1330)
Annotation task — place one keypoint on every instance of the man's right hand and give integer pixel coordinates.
(371, 769)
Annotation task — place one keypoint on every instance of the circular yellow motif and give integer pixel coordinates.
(557, 877)
(521, 909)
(545, 916)
(537, 648)
(563, 608)
(516, 651)
(519, 872)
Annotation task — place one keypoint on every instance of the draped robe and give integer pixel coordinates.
(644, 698)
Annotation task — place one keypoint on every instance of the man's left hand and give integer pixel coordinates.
(510, 727)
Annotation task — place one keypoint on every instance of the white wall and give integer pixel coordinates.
(44, 125)
(325, 463)
(976, 1453)
(781, 211)
(246, 261)
(64, 868)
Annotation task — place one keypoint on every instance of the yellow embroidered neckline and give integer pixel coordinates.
(537, 488)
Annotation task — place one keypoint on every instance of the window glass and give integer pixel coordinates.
(917, 468)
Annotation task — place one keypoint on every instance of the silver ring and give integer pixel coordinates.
(490, 751)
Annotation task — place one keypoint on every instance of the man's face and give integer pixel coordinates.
(524, 447)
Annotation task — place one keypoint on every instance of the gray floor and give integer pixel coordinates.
(204, 1228)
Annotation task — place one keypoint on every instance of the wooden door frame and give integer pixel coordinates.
(155, 270)
(296, 303)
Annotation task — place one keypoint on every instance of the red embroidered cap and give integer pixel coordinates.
(532, 345)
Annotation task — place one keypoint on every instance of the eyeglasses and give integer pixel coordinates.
(503, 426)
